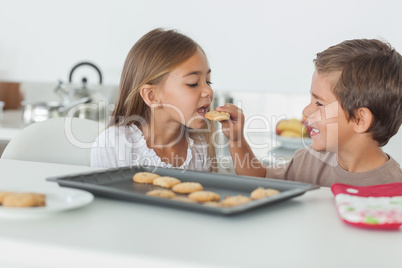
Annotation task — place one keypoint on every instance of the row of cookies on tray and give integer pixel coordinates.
(195, 191)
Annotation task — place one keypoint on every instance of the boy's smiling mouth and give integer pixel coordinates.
(314, 132)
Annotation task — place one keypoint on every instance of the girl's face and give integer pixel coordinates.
(186, 94)
(331, 129)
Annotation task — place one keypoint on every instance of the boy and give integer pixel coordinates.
(355, 108)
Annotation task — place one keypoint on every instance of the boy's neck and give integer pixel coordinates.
(363, 159)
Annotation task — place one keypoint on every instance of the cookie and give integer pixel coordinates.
(262, 192)
(187, 187)
(204, 196)
(2, 195)
(217, 116)
(145, 177)
(167, 182)
(24, 200)
(40, 200)
(231, 201)
(164, 193)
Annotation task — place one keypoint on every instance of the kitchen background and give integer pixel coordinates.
(260, 51)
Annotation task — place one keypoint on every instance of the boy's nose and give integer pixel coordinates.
(312, 114)
(307, 111)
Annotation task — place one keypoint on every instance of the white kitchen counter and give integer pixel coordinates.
(302, 232)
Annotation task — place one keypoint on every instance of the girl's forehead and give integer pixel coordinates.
(196, 64)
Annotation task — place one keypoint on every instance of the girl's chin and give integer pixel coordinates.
(197, 124)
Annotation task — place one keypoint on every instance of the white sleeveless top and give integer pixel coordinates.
(122, 146)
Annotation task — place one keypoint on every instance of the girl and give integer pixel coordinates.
(165, 91)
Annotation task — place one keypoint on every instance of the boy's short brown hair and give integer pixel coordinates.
(370, 76)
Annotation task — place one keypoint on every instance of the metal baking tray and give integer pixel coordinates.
(118, 184)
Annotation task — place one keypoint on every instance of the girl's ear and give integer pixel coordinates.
(363, 121)
(149, 95)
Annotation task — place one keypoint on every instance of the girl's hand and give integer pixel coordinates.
(232, 128)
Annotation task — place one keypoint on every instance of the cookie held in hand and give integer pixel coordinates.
(217, 116)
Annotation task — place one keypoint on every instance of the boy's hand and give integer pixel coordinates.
(232, 128)
(244, 160)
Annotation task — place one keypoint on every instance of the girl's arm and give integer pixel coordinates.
(244, 160)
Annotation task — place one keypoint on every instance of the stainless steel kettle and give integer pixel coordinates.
(83, 102)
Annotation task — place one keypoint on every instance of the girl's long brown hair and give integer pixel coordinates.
(151, 58)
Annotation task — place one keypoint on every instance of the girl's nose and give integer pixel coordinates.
(207, 92)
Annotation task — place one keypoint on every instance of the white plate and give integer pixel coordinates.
(294, 143)
(58, 199)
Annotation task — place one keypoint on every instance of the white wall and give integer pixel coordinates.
(252, 44)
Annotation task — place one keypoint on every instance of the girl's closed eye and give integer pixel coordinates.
(319, 104)
(193, 85)
(209, 83)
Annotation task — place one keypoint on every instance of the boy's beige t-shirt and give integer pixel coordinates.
(323, 169)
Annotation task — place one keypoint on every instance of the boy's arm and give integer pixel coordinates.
(244, 160)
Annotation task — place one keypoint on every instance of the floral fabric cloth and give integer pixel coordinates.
(377, 207)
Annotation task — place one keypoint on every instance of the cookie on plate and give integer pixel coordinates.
(24, 200)
(164, 193)
(261, 192)
(167, 182)
(2, 195)
(217, 116)
(204, 196)
(145, 177)
(236, 200)
(187, 187)
(40, 199)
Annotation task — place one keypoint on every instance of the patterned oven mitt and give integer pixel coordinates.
(375, 207)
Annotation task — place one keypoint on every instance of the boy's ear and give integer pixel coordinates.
(149, 95)
(363, 120)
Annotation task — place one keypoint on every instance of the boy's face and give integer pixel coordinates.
(331, 129)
